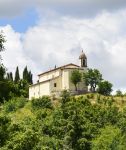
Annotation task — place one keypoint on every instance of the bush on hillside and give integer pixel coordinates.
(14, 104)
(104, 88)
(109, 138)
(4, 135)
(23, 141)
(43, 102)
(119, 93)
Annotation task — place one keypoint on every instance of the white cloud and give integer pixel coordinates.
(14, 55)
(60, 41)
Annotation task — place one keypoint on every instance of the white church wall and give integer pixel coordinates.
(65, 79)
(34, 91)
(39, 90)
(56, 85)
(44, 89)
(49, 75)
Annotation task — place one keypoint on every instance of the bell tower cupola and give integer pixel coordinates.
(83, 59)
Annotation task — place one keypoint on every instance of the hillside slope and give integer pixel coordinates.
(86, 122)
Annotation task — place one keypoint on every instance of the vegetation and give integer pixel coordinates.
(92, 78)
(104, 88)
(17, 76)
(2, 41)
(119, 93)
(76, 78)
(76, 123)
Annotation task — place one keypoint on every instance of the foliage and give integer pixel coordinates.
(65, 97)
(75, 123)
(2, 72)
(9, 88)
(4, 123)
(2, 41)
(9, 76)
(23, 141)
(109, 139)
(43, 102)
(14, 104)
(27, 75)
(75, 78)
(17, 76)
(104, 88)
(92, 78)
(119, 93)
(5, 88)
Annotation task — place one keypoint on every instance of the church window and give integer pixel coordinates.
(55, 85)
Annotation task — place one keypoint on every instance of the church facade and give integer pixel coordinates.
(54, 81)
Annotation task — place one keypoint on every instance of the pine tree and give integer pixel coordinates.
(17, 76)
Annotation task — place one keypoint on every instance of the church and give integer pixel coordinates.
(53, 82)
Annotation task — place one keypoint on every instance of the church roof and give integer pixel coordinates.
(61, 67)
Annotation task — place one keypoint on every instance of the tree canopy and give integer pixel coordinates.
(92, 78)
(104, 88)
(76, 78)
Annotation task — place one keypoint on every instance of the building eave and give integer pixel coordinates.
(61, 67)
(43, 81)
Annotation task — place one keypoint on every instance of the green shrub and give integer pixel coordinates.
(23, 141)
(4, 123)
(9, 106)
(43, 102)
(109, 139)
(20, 102)
(119, 93)
(14, 104)
(90, 96)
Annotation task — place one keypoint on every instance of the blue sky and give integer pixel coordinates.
(42, 34)
(22, 22)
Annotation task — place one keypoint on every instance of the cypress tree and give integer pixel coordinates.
(25, 74)
(10, 76)
(2, 72)
(17, 76)
(30, 78)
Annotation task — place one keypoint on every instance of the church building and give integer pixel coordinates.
(53, 82)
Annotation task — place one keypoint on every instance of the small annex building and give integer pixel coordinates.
(54, 81)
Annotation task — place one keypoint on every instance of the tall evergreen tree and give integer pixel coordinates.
(10, 76)
(17, 76)
(2, 72)
(30, 81)
(25, 74)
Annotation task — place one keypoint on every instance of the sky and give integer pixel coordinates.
(42, 34)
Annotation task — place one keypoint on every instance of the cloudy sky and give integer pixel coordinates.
(45, 33)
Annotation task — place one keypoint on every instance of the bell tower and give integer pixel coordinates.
(83, 59)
